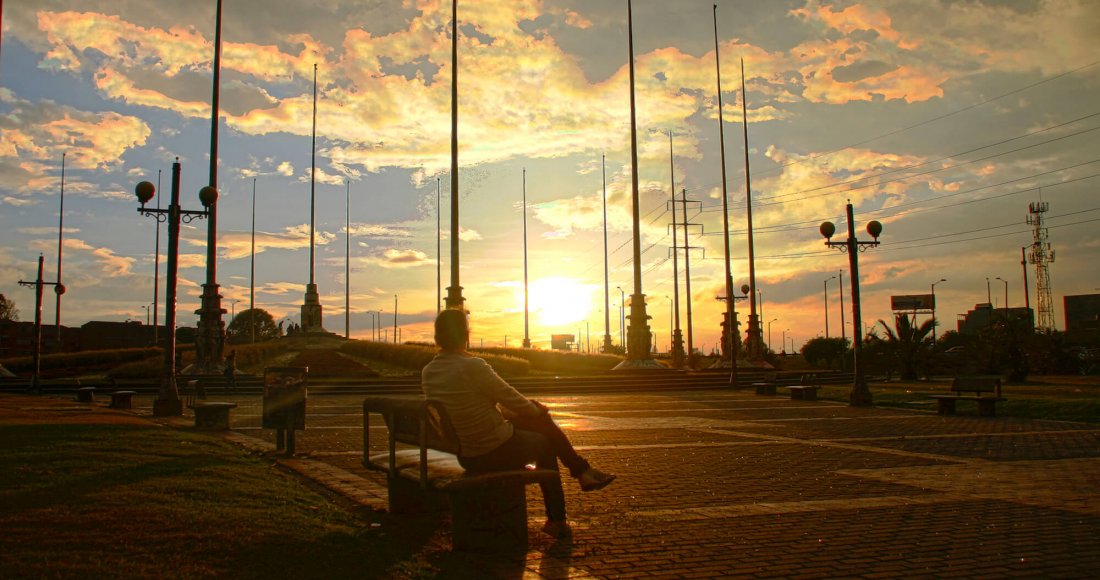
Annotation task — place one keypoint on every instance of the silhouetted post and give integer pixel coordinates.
(729, 345)
(167, 403)
(36, 348)
(754, 343)
(639, 339)
(210, 335)
(312, 313)
(454, 291)
(252, 268)
(606, 283)
(677, 336)
(526, 312)
(860, 395)
(58, 288)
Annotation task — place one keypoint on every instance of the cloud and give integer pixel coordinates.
(234, 245)
(400, 258)
(37, 134)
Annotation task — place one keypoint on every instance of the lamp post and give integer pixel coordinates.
(622, 317)
(860, 395)
(934, 322)
(826, 308)
(988, 293)
(210, 334)
(1006, 292)
(770, 333)
(145, 307)
(36, 351)
(233, 309)
(167, 403)
(783, 340)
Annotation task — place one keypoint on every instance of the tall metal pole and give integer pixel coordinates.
(526, 312)
(252, 268)
(754, 339)
(454, 291)
(395, 318)
(211, 327)
(347, 260)
(312, 176)
(677, 337)
(1027, 291)
(606, 283)
(156, 271)
(825, 292)
(59, 289)
(312, 311)
(728, 342)
(687, 279)
(638, 334)
(840, 284)
(438, 251)
(935, 322)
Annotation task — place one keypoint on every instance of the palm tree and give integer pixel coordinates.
(907, 341)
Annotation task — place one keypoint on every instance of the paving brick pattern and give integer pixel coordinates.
(719, 484)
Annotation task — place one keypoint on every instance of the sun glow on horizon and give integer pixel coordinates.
(557, 301)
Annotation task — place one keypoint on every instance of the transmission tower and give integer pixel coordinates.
(1041, 255)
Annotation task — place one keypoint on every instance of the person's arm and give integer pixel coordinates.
(499, 391)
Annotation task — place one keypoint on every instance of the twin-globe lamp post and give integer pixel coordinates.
(860, 395)
(167, 403)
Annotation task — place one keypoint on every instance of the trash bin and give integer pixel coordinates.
(284, 403)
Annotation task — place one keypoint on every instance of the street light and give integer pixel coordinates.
(233, 309)
(770, 333)
(826, 285)
(622, 317)
(167, 403)
(1006, 291)
(783, 340)
(860, 395)
(36, 351)
(934, 322)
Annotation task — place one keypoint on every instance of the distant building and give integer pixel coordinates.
(99, 334)
(1082, 312)
(984, 315)
(17, 339)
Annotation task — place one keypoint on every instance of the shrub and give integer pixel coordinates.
(416, 357)
(84, 362)
(556, 361)
(329, 363)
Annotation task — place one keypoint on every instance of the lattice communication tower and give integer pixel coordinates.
(1041, 255)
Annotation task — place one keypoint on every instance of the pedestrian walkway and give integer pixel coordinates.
(730, 484)
(718, 484)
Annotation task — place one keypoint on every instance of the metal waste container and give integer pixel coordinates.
(284, 403)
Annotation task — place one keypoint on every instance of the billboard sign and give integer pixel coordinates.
(562, 341)
(913, 303)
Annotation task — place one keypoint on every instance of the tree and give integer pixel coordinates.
(907, 342)
(240, 328)
(824, 350)
(8, 311)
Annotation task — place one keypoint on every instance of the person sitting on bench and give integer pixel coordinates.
(498, 428)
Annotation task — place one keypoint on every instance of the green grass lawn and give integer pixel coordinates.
(1064, 398)
(133, 501)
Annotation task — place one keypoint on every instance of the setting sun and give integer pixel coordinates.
(557, 301)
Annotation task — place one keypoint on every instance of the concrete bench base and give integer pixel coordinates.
(122, 399)
(85, 395)
(803, 392)
(213, 416)
(488, 510)
(764, 388)
(987, 406)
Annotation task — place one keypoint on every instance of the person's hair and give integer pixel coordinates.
(452, 330)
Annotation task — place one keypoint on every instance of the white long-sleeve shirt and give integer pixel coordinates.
(471, 390)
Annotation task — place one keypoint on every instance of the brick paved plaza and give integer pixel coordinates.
(730, 484)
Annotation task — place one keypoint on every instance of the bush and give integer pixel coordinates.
(329, 363)
(557, 361)
(416, 357)
(84, 362)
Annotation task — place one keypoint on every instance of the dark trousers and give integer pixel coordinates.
(540, 440)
